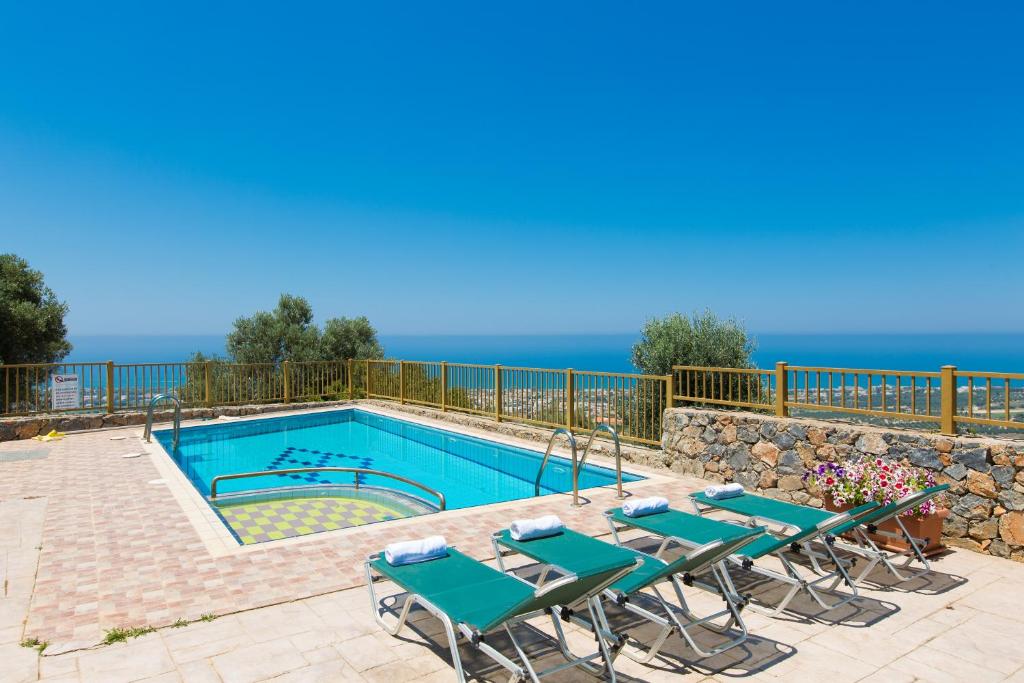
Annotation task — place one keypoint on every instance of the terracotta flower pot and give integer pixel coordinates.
(929, 527)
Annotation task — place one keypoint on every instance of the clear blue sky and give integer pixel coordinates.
(524, 168)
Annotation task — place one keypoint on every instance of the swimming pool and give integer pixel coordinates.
(469, 471)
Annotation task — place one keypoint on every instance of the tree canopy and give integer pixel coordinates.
(32, 328)
(289, 333)
(700, 339)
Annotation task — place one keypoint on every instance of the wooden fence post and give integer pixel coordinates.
(497, 393)
(110, 386)
(947, 423)
(401, 382)
(367, 378)
(781, 389)
(207, 394)
(350, 379)
(669, 389)
(444, 386)
(287, 388)
(569, 399)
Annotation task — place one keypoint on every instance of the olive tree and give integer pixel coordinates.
(32, 328)
(286, 333)
(699, 339)
(345, 338)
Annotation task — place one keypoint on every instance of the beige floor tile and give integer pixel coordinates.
(888, 674)
(19, 663)
(280, 621)
(199, 671)
(406, 670)
(931, 665)
(854, 642)
(985, 640)
(134, 660)
(61, 665)
(322, 672)
(369, 651)
(11, 635)
(815, 662)
(999, 598)
(321, 654)
(258, 662)
(169, 677)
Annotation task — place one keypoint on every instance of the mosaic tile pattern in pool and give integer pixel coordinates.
(276, 519)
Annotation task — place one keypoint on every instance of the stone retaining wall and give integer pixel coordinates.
(13, 428)
(770, 455)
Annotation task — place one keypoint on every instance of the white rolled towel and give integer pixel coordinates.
(411, 552)
(541, 527)
(644, 506)
(718, 492)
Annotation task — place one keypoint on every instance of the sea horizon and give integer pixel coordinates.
(997, 352)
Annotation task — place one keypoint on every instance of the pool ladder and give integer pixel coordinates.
(177, 418)
(577, 465)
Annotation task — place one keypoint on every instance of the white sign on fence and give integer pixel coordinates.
(65, 392)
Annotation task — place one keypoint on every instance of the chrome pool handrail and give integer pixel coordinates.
(177, 417)
(575, 464)
(618, 454)
(355, 470)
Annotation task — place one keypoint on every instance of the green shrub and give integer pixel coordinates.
(701, 339)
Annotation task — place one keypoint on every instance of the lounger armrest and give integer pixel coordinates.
(784, 528)
(555, 585)
(667, 541)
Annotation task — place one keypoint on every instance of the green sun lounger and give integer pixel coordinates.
(863, 528)
(915, 552)
(570, 551)
(472, 600)
(795, 537)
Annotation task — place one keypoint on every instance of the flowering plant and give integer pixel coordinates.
(872, 480)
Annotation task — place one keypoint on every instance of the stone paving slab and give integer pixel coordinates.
(334, 637)
(117, 550)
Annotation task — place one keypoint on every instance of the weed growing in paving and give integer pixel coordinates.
(180, 623)
(209, 616)
(35, 643)
(119, 635)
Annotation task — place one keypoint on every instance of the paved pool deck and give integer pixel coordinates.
(91, 540)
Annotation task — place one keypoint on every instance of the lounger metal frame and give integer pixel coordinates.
(478, 640)
(794, 577)
(620, 643)
(866, 547)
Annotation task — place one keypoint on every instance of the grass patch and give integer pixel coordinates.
(209, 616)
(35, 644)
(180, 623)
(119, 635)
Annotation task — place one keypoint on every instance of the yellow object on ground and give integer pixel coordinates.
(54, 435)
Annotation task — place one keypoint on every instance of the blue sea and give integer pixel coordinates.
(611, 352)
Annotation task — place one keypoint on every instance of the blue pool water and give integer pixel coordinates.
(467, 470)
